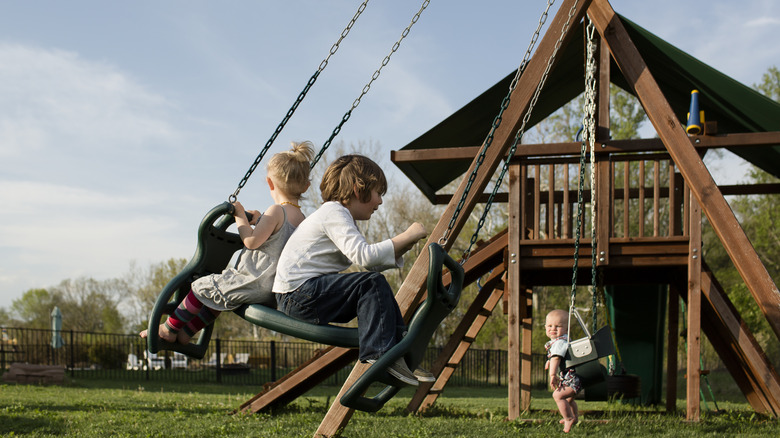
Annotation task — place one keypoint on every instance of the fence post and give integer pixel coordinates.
(72, 358)
(273, 361)
(219, 361)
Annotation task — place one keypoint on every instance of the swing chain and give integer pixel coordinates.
(232, 198)
(521, 130)
(344, 34)
(367, 87)
(489, 139)
(587, 146)
(589, 123)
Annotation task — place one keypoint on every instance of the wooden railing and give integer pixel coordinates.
(638, 196)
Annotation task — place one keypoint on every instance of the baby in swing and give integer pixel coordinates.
(564, 383)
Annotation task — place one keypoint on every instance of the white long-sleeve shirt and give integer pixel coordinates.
(327, 242)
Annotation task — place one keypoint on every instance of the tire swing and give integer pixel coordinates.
(216, 247)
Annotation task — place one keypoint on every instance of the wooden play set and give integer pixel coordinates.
(648, 234)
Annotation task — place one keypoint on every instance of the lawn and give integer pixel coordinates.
(121, 409)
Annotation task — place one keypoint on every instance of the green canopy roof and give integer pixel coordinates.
(736, 108)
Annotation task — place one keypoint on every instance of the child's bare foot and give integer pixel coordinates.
(165, 333)
(568, 423)
(183, 338)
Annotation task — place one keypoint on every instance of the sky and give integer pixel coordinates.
(123, 123)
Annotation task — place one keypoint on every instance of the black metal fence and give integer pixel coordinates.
(124, 357)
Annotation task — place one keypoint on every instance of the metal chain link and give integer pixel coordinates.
(521, 130)
(496, 123)
(589, 122)
(334, 48)
(587, 146)
(367, 87)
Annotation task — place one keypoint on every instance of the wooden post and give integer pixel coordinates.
(413, 287)
(694, 313)
(695, 173)
(603, 185)
(672, 340)
(526, 302)
(513, 291)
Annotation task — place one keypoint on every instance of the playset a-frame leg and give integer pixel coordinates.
(453, 352)
(739, 350)
(488, 257)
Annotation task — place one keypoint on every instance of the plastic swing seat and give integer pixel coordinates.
(583, 355)
(216, 247)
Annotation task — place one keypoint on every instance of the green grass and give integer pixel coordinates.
(84, 408)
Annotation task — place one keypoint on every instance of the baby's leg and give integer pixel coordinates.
(563, 397)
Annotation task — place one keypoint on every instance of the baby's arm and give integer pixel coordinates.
(269, 222)
(404, 241)
(554, 364)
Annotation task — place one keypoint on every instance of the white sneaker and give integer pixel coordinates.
(424, 375)
(400, 371)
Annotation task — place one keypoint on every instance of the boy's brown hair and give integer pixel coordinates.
(352, 175)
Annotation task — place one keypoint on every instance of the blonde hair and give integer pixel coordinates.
(290, 170)
(351, 173)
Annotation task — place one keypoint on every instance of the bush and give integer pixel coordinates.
(106, 355)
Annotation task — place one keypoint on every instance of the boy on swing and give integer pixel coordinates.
(310, 284)
(564, 383)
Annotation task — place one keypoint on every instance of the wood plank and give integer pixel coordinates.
(449, 358)
(526, 364)
(736, 140)
(514, 294)
(301, 380)
(678, 145)
(694, 316)
(760, 375)
(672, 340)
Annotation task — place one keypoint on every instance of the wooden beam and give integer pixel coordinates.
(459, 342)
(750, 139)
(688, 161)
(759, 380)
(526, 356)
(557, 35)
(672, 341)
(694, 315)
(514, 293)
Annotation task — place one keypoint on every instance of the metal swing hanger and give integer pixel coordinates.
(334, 48)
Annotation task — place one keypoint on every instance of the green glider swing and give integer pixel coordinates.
(216, 246)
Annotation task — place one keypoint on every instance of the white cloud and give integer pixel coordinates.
(84, 151)
(51, 96)
(763, 21)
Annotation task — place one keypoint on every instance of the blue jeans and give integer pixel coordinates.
(340, 298)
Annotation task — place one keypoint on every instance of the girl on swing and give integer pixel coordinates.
(564, 383)
(251, 280)
(310, 284)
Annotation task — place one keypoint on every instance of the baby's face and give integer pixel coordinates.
(555, 326)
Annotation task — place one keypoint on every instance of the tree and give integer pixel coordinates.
(770, 84)
(33, 309)
(91, 305)
(144, 286)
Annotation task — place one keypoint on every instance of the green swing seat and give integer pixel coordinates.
(216, 246)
